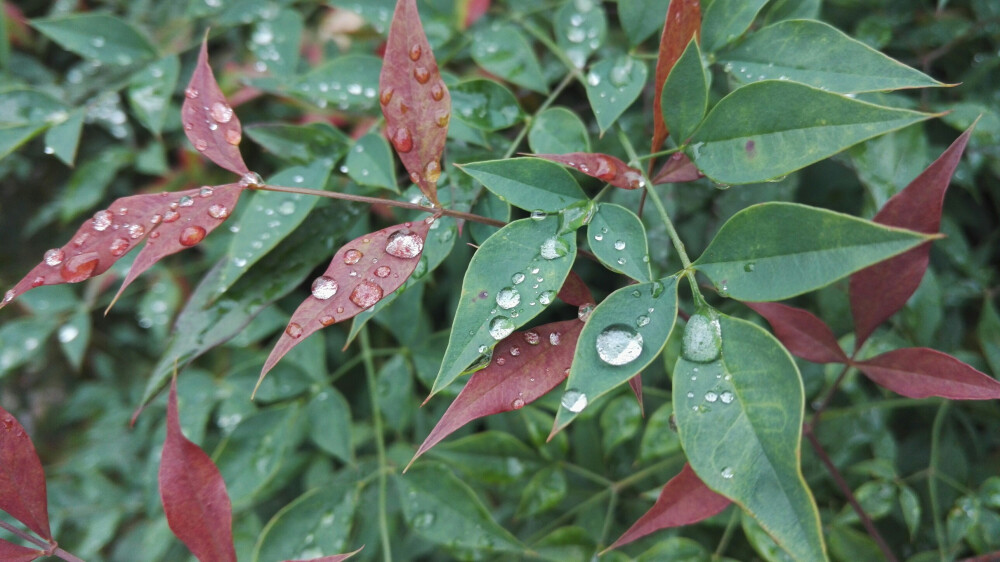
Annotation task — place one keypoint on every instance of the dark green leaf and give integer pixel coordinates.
(613, 84)
(490, 456)
(580, 27)
(24, 113)
(887, 164)
(558, 130)
(347, 83)
(641, 18)
(301, 144)
(620, 421)
(276, 41)
(149, 92)
(988, 332)
(330, 423)
(618, 239)
(101, 37)
(502, 50)
(484, 104)
(685, 93)
(659, 439)
(370, 162)
(74, 337)
(62, 139)
(531, 184)
(23, 338)
(89, 183)
(490, 206)
(724, 21)
(543, 492)
(315, 524)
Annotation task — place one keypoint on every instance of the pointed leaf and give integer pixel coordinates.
(415, 102)
(149, 92)
(10, 552)
(209, 122)
(349, 83)
(22, 480)
(361, 273)
(739, 417)
(618, 239)
(501, 49)
(613, 85)
(580, 29)
(757, 132)
(879, 291)
(641, 18)
(815, 53)
(62, 139)
(678, 169)
(194, 496)
(331, 558)
(324, 513)
(685, 93)
(774, 251)
(726, 20)
(919, 372)
(682, 24)
(531, 184)
(636, 384)
(801, 332)
(369, 162)
(525, 366)
(623, 335)
(24, 113)
(575, 292)
(558, 130)
(513, 276)
(604, 167)
(100, 37)
(485, 105)
(684, 500)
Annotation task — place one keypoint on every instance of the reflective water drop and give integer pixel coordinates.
(727, 472)
(37, 281)
(501, 327)
(366, 294)
(711, 396)
(606, 169)
(584, 312)
(423, 520)
(702, 337)
(515, 351)
(555, 338)
(546, 297)
(517, 278)
(251, 180)
(324, 287)
(574, 400)
(538, 215)
(619, 244)
(294, 330)
(598, 237)
(352, 256)
(531, 337)
(432, 171)
(415, 52)
(185, 201)
(218, 211)
(402, 140)
(286, 208)
(619, 344)
(327, 320)
(206, 191)
(192, 235)
(657, 290)
(642, 321)
(191, 93)
(54, 257)
(78, 268)
(727, 397)
(553, 248)
(517, 404)
(404, 244)
(421, 74)
(171, 216)
(201, 145)
(386, 95)
(221, 112)
(383, 271)
(118, 247)
(508, 298)
(233, 136)
(101, 220)
(443, 117)
(437, 92)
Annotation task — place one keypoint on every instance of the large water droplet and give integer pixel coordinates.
(324, 287)
(531, 337)
(606, 169)
(508, 298)
(78, 268)
(218, 211)
(619, 344)
(192, 235)
(294, 330)
(221, 112)
(501, 327)
(366, 294)
(402, 140)
(404, 244)
(54, 257)
(702, 337)
(118, 247)
(383, 271)
(517, 278)
(727, 397)
(251, 180)
(619, 244)
(432, 171)
(102, 220)
(546, 297)
(415, 52)
(727, 472)
(352, 256)
(553, 248)
(421, 74)
(574, 400)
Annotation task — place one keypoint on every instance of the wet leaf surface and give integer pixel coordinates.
(919, 372)
(683, 22)
(22, 481)
(801, 332)
(604, 167)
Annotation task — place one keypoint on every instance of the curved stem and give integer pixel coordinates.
(383, 524)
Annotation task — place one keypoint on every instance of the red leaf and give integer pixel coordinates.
(879, 291)
(209, 122)
(415, 102)
(10, 552)
(683, 22)
(678, 169)
(474, 9)
(919, 372)
(526, 365)
(801, 332)
(636, 384)
(604, 167)
(22, 480)
(193, 494)
(574, 291)
(361, 273)
(685, 499)
(331, 558)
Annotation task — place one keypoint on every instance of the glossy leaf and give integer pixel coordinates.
(574, 291)
(21, 340)
(641, 18)
(22, 480)
(739, 417)
(659, 438)
(684, 500)
(491, 457)
(558, 130)
(513, 276)
(485, 105)
(802, 333)
(329, 423)
(100, 37)
(528, 183)
(415, 101)
(726, 20)
(24, 113)
(347, 83)
(623, 335)
(685, 94)
(524, 367)
(361, 273)
(544, 491)
(369, 162)
(817, 54)
(501, 49)
(149, 92)
(325, 514)
(301, 144)
(209, 122)
(887, 164)
(919, 372)
(193, 493)
(604, 167)
(879, 291)
(580, 28)
(613, 84)
(757, 132)
(775, 251)
(682, 24)
(618, 239)
(62, 139)
(677, 169)
(275, 41)
(620, 420)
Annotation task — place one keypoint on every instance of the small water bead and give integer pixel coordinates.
(201, 145)
(711, 396)
(555, 338)
(538, 215)
(118, 247)
(191, 93)
(553, 248)
(432, 171)
(294, 330)
(517, 404)
(619, 344)
(101, 220)
(546, 297)
(619, 244)
(383, 271)
(437, 92)
(483, 348)
(727, 397)
(54, 257)
(221, 112)
(192, 235)
(501, 327)
(443, 117)
(8, 296)
(584, 312)
(80, 267)
(621, 261)
(421, 74)
(404, 244)
(517, 278)
(171, 216)
(366, 294)
(642, 321)
(749, 267)
(385, 96)
(531, 337)
(402, 140)
(352, 256)
(37, 281)
(727, 473)
(185, 201)
(702, 341)
(508, 298)
(324, 287)
(574, 400)
(690, 395)
(327, 320)
(415, 52)
(218, 211)
(598, 237)
(515, 351)
(234, 136)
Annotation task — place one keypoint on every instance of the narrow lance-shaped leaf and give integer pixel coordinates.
(525, 366)
(684, 500)
(683, 22)
(22, 480)
(880, 291)
(415, 102)
(604, 167)
(10, 552)
(209, 122)
(685, 94)
(193, 493)
(361, 273)
(919, 372)
(635, 383)
(801, 332)
(677, 169)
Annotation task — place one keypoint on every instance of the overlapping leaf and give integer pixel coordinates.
(882, 289)
(683, 23)
(10, 552)
(677, 169)
(323, 513)
(101, 37)
(618, 239)
(415, 102)
(801, 332)
(22, 480)
(919, 372)
(613, 84)
(529, 183)
(685, 94)
(726, 20)
(604, 167)
(193, 493)
(574, 291)
(503, 50)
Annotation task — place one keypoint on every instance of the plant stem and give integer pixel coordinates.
(383, 524)
(727, 535)
(47, 547)
(932, 481)
(658, 154)
(545, 105)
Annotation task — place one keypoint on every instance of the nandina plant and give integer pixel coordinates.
(596, 237)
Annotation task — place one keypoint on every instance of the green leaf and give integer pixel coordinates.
(580, 28)
(275, 42)
(74, 337)
(618, 239)
(22, 339)
(490, 206)
(792, 10)
(623, 335)
(558, 130)
(100, 37)
(740, 421)
(484, 105)
(685, 93)
(513, 276)
(850, 544)
(24, 113)
(502, 49)
(817, 54)
(774, 251)
(543, 492)
(887, 164)
(347, 83)
(613, 84)
(531, 184)
(301, 144)
(492, 457)
(988, 333)
(62, 139)
(909, 503)
(314, 524)
(767, 129)
(149, 92)
(444, 510)
(641, 18)
(723, 21)
(88, 184)
(370, 162)
(620, 421)
(330, 423)
(659, 439)
(393, 390)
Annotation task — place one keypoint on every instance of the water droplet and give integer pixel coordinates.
(421, 74)
(501, 327)
(508, 298)
(531, 337)
(606, 169)
(404, 244)
(598, 237)
(727, 472)
(619, 244)
(192, 235)
(642, 321)
(251, 180)
(78, 268)
(584, 312)
(618, 344)
(517, 278)
(221, 112)
(517, 404)
(366, 294)
(437, 92)
(702, 337)
(294, 330)
(574, 400)
(727, 397)
(101, 220)
(555, 338)
(171, 216)
(402, 140)
(286, 208)
(327, 320)
(546, 297)
(711, 396)
(386, 95)
(37, 281)
(383, 271)
(118, 247)
(553, 248)
(218, 211)
(233, 136)
(324, 287)
(8, 296)
(54, 257)
(201, 145)
(538, 215)
(515, 351)
(432, 171)
(415, 52)
(423, 520)
(352, 256)
(442, 119)
(749, 267)
(191, 93)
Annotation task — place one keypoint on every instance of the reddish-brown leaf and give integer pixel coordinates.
(801, 332)
(604, 167)
(10, 552)
(683, 22)
(209, 122)
(415, 102)
(525, 366)
(879, 291)
(919, 372)
(474, 9)
(361, 273)
(574, 291)
(678, 169)
(685, 499)
(636, 384)
(193, 493)
(331, 558)
(22, 480)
